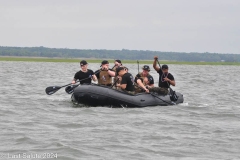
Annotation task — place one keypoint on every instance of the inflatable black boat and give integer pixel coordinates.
(96, 95)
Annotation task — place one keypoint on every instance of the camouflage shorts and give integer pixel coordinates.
(138, 90)
(129, 92)
(159, 90)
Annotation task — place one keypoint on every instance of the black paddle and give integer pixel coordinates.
(173, 95)
(138, 65)
(161, 99)
(70, 89)
(114, 83)
(158, 97)
(52, 89)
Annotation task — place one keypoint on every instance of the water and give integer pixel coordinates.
(35, 125)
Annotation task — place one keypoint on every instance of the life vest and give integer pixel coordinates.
(142, 77)
(137, 88)
(114, 68)
(104, 78)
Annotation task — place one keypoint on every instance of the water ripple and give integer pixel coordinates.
(205, 126)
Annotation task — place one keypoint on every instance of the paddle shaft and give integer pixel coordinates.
(53, 89)
(161, 99)
(138, 65)
(114, 83)
(156, 96)
(68, 84)
(70, 89)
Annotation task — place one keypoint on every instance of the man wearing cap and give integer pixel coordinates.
(104, 75)
(127, 83)
(85, 75)
(139, 79)
(165, 78)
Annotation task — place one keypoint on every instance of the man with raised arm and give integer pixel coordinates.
(165, 78)
(104, 75)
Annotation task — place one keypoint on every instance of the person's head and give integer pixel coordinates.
(165, 68)
(120, 71)
(148, 80)
(83, 65)
(105, 64)
(117, 62)
(146, 70)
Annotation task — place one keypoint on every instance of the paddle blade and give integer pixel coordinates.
(70, 89)
(173, 95)
(52, 89)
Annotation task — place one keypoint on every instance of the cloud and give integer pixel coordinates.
(173, 25)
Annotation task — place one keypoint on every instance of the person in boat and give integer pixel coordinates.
(104, 75)
(143, 84)
(139, 80)
(117, 64)
(165, 78)
(127, 83)
(117, 79)
(85, 75)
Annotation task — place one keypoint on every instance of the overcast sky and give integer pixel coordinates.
(158, 25)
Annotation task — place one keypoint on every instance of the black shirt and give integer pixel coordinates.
(84, 77)
(163, 83)
(128, 79)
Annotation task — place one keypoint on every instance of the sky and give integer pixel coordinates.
(157, 25)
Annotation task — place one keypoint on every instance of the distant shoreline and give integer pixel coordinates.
(92, 60)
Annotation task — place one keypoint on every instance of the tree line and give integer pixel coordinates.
(123, 54)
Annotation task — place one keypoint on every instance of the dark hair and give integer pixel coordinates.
(104, 62)
(119, 69)
(119, 61)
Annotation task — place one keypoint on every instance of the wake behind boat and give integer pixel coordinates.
(97, 95)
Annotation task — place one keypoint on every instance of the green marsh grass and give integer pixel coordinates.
(72, 60)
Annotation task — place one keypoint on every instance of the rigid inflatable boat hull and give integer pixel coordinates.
(95, 95)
